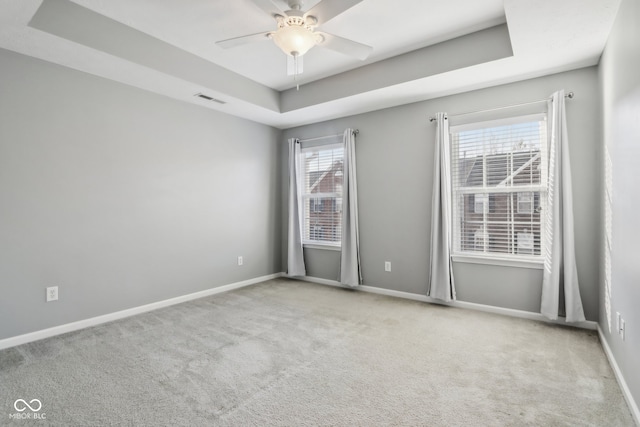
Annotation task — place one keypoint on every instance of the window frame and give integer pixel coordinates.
(328, 208)
(486, 192)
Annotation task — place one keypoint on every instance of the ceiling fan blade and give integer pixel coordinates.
(292, 64)
(345, 46)
(238, 41)
(268, 6)
(329, 9)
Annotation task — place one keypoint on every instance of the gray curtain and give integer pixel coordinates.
(441, 283)
(350, 272)
(295, 261)
(560, 258)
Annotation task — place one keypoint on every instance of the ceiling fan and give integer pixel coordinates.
(296, 31)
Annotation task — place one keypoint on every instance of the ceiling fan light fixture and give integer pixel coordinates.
(294, 39)
(296, 30)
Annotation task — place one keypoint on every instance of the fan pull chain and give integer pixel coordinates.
(295, 71)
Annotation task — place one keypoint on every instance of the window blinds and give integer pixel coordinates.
(499, 186)
(322, 193)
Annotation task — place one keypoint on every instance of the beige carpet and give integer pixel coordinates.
(291, 353)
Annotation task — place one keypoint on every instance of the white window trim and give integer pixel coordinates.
(492, 258)
(324, 246)
(506, 261)
(320, 244)
(481, 124)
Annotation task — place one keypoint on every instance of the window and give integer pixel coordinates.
(322, 194)
(316, 205)
(525, 202)
(337, 206)
(480, 203)
(499, 186)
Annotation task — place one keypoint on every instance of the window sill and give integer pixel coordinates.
(534, 263)
(320, 246)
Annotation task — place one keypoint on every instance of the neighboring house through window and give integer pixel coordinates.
(499, 187)
(322, 194)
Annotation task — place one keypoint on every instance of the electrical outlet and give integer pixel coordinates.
(387, 266)
(52, 293)
(240, 260)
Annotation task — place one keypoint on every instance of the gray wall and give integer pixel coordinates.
(394, 161)
(620, 85)
(122, 198)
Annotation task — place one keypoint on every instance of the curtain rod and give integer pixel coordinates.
(569, 95)
(355, 132)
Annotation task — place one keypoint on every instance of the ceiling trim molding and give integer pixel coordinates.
(462, 52)
(78, 24)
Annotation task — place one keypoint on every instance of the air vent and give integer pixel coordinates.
(209, 98)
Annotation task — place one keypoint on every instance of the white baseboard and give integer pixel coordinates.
(633, 406)
(93, 321)
(460, 304)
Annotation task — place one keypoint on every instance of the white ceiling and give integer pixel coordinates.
(546, 36)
